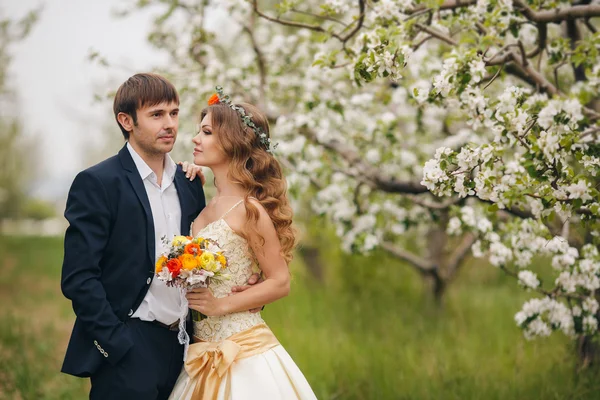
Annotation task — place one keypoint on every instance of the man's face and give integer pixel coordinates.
(156, 129)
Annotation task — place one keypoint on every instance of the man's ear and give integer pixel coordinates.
(126, 121)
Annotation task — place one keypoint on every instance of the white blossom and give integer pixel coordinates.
(528, 279)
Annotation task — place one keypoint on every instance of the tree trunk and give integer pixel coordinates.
(312, 259)
(588, 351)
(437, 239)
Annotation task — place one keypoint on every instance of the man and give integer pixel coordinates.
(125, 333)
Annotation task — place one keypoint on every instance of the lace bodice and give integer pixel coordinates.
(241, 266)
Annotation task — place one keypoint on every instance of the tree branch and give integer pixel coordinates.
(421, 265)
(558, 15)
(574, 34)
(316, 28)
(542, 37)
(434, 205)
(325, 17)
(262, 65)
(361, 20)
(539, 79)
(436, 34)
(458, 255)
(446, 5)
(369, 174)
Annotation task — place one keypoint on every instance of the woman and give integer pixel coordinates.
(234, 354)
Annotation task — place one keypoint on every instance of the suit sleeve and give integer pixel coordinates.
(201, 200)
(88, 213)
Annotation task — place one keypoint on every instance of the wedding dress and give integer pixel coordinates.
(237, 357)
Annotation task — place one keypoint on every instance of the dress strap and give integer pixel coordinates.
(234, 206)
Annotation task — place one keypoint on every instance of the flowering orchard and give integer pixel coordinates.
(430, 129)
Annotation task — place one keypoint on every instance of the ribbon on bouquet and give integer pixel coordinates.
(182, 335)
(208, 362)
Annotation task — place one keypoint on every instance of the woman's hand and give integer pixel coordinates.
(204, 301)
(192, 171)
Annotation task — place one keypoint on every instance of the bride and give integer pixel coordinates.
(235, 355)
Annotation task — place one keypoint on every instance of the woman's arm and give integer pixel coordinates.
(275, 270)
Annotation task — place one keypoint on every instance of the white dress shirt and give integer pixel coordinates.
(161, 303)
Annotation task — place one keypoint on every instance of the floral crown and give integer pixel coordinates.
(222, 98)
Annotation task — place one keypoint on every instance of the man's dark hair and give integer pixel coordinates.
(142, 90)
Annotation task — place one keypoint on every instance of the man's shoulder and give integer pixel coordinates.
(196, 183)
(105, 171)
(106, 168)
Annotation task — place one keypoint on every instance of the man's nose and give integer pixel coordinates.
(170, 122)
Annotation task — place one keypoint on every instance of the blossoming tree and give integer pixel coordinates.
(430, 129)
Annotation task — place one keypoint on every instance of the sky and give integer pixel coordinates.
(55, 82)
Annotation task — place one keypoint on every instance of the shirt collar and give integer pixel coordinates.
(145, 171)
(170, 168)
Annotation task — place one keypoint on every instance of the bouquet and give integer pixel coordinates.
(188, 264)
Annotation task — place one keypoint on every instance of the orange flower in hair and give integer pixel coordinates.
(214, 99)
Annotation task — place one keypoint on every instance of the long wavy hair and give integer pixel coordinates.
(256, 170)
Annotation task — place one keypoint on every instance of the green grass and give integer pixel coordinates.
(368, 331)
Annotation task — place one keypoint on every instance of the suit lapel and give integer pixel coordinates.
(138, 187)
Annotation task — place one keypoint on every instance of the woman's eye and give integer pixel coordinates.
(207, 132)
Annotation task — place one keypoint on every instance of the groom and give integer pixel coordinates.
(125, 333)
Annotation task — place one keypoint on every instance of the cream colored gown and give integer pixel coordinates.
(267, 372)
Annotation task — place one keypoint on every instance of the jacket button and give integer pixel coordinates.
(130, 313)
(148, 281)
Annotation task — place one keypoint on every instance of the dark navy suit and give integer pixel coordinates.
(108, 267)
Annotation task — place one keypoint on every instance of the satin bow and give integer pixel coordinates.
(210, 355)
(207, 363)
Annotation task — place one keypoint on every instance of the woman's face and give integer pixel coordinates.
(207, 151)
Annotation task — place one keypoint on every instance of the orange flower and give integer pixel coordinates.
(214, 99)
(188, 262)
(174, 266)
(160, 263)
(192, 248)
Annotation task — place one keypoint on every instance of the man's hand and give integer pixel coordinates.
(254, 279)
(192, 171)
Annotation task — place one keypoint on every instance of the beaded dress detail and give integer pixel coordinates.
(241, 266)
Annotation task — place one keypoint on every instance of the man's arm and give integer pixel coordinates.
(88, 214)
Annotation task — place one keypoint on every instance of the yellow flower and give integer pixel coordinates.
(207, 258)
(198, 240)
(188, 262)
(180, 240)
(160, 263)
(208, 262)
(221, 258)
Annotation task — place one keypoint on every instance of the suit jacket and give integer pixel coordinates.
(109, 256)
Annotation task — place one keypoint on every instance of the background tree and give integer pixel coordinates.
(13, 146)
(426, 128)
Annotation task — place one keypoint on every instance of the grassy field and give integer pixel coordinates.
(368, 331)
